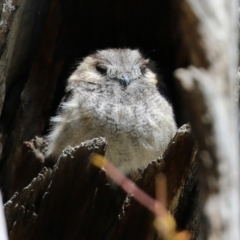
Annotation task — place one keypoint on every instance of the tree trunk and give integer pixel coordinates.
(208, 88)
(194, 42)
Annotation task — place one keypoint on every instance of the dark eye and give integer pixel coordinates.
(143, 69)
(101, 69)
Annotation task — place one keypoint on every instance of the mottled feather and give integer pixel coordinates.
(114, 95)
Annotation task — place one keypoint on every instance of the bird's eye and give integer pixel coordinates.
(101, 69)
(143, 69)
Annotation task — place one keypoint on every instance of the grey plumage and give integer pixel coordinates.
(113, 94)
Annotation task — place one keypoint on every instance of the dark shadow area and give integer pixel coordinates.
(71, 30)
(147, 25)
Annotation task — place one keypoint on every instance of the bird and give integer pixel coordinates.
(113, 93)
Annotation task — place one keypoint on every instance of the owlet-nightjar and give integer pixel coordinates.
(114, 94)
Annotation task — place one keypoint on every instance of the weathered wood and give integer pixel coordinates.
(176, 165)
(33, 107)
(75, 200)
(7, 9)
(208, 90)
(3, 226)
(32, 60)
(21, 24)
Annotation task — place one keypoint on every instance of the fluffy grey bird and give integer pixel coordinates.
(113, 94)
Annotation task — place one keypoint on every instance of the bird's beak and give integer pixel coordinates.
(125, 81)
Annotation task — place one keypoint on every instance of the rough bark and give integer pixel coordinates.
(30, 101)
(76, 201)
(208, 89)
(3, 226)
(41, 40)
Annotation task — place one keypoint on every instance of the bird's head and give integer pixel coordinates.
(123, 66)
